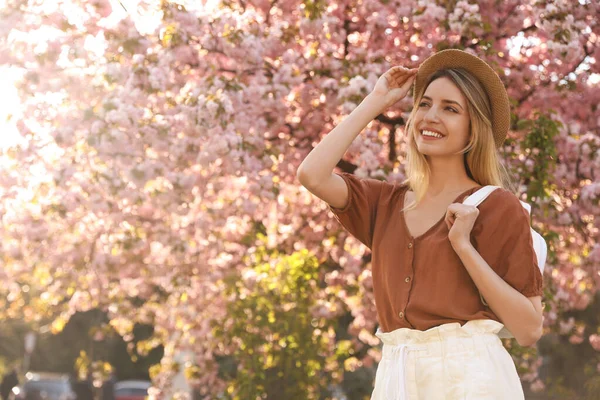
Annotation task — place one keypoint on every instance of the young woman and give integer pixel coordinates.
(447, 277)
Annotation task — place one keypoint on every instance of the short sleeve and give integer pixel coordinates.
(358, 216)
(502, 236)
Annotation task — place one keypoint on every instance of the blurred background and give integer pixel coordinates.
(154, 240)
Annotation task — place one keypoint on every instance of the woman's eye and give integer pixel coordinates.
(423, 105)
(452, 109)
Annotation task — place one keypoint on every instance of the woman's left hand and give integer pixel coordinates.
(460, 219)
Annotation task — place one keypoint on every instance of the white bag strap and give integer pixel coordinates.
(480, 195)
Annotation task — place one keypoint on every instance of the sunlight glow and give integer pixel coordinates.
(9, 108)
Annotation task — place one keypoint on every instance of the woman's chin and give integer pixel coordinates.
(441, 152)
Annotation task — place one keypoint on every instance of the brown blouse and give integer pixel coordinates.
(420, 282)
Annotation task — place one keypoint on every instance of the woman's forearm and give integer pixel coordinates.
(320, 162)
(515, 311)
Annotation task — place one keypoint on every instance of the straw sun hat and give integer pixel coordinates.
(454, 58)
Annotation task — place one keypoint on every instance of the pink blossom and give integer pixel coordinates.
(537, 386)
(154, 146)
(595, 341)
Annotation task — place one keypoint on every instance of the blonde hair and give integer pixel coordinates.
(482, 159)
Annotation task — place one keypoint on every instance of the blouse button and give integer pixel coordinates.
(401, 314)
(407, 279)
(410, 245)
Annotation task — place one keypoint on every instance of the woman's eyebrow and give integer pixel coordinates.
(445, 101)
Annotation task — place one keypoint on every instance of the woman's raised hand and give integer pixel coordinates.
(394, 84)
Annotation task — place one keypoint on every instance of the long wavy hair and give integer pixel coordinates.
(482, 160)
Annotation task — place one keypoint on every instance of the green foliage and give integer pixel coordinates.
(539, 145)
(571, 372)
(313, 9)
(85, 345)
(557, 390)
(281, 349)
(592, 389)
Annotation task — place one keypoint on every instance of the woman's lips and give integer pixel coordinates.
(426, 137)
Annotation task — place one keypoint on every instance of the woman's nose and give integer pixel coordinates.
(431, 114)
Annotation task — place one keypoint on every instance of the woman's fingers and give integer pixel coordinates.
(451, 215)
(408, 82)
(403, 82)
(399, 80)
(403, 71)
(395, 82)
(401, 76)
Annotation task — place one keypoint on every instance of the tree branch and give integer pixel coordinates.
(267, 20)
(392, 121)
(392, 142)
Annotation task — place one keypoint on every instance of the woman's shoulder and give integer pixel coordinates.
(501, 215)
(397, 188)
(501, 201)
(400, 185)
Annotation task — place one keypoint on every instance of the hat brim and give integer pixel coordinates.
(454, 58)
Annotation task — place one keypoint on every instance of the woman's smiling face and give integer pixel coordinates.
(442, 110)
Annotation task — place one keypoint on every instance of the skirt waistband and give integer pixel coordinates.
(404, 336)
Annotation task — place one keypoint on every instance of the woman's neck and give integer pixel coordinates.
(448, 175)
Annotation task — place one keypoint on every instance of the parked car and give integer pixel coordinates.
(131, 390)
(44, 386)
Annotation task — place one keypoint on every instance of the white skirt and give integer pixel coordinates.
(447, 362)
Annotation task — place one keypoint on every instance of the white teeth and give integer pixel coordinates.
(429, 133)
